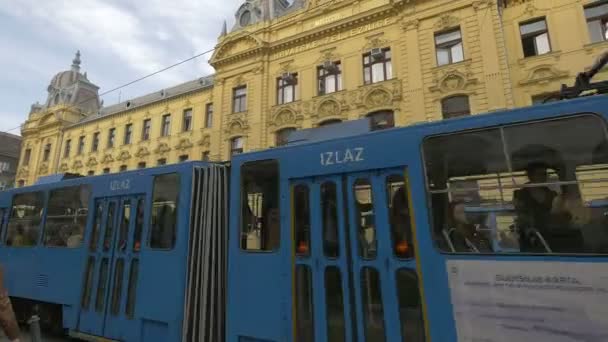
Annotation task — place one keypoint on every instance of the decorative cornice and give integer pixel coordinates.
(162, 148)
(184, 144)
(543, 74)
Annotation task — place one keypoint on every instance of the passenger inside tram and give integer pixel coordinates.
(400, 224)
(462, 235)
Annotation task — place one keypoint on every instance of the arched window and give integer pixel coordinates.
(282, 135)
(236, 145)
(330, 122)
(455, 106)
(381, 120)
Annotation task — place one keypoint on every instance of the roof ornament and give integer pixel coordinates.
(224, 29)
(76, 62)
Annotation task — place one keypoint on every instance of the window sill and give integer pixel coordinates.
(239, 113)
(286, 104)
(464, 62)
(390, 80)
(551, 55)
(342, 91)
(591, 46)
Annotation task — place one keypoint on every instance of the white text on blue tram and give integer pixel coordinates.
(350, 155)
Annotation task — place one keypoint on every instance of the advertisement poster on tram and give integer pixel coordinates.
(497, 301)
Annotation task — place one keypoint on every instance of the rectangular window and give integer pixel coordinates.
(141, 165)
(161, 161)
(111, 137)
(66, 216)
(123, 168)
(239, 99)
(329, 76)
(377, 66)
(46, 154)
(236, 145)
(106, 170)
(96, 227)
(597, 21)
(535, 38)
(287, 86)
(205, 156)
(187, 120)
(165, 128)
(522, 191)
(26, 156)
(81, 145)
(145, 132)
(164, 211)
(209, 115)
(23, 227)
(91, 173)
(301, 221)
(260, 229)
(128, 134)
(448, 46)
(68, 147)
(305, 329)
(101, 286)
(88, 283)
(95, 144)
(131, 292)
(183, 158)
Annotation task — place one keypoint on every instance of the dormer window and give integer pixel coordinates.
(245, 18)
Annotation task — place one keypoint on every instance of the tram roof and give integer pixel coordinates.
(334, 134)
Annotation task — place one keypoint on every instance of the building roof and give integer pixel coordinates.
(164, 94)
(10, 145)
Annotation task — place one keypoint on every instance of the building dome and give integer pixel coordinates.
(67, 78)
(71, 87)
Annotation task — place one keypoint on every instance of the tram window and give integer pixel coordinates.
(139, 225)
(304, 305)
(117, 288)
(410, 308)
(124, 225)
(365, 218)
(101, 286)
(373, 308)
(399, 214)
(132, 290)
(96, 227)
(88, 283)
(2, 211)
(260, 225)
(66, 216)
(302, 219)
(329, 207)
(164, 211)
(109, 232)
(538, 187)
(334, 297)
(24, 223)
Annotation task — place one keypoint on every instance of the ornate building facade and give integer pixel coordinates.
(288, 65)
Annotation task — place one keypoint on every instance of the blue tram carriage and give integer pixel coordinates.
(340, 239)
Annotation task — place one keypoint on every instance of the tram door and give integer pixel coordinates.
(355, 273)
(110, 281)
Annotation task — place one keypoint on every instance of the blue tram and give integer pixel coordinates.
(393, 235)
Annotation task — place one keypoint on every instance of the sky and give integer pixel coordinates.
(119, 41)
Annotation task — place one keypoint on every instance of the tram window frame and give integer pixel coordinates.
(41, 202)
(175, 220)
(62, 202)
(3, 221)
(245, 200)
(571, 163)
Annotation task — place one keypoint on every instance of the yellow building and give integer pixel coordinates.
(301, 64)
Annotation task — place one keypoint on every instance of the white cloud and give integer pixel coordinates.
(121, 40)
